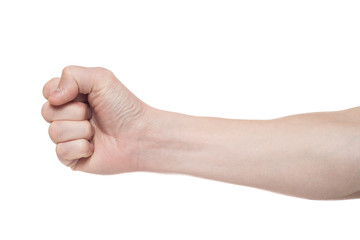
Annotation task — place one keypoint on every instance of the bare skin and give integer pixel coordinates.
(100, 127)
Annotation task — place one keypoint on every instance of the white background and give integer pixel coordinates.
(234, 59)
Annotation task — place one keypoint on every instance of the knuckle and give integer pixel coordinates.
(88, 130)
(45, 112)
(65, 151)
(61, 151)
(74, 165)
(54, 131)
(50, 87)
(103, 73)
(84, 148)
(79, 104)
(102, 70)
(83, 145)
(67, 70)
(44, 89)
(81, 109)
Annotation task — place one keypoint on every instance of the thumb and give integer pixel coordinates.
(74, 81)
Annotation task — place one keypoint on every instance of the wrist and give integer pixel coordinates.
(200, 146)
(166, 138)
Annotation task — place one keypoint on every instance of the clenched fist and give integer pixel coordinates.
(94, 120)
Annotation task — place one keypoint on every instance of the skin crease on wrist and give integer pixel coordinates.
(312, 156)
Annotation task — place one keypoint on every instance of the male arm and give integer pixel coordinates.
(313, 155)
(100, 127)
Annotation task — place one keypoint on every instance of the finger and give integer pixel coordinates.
(68, 152)
(73, 111)
(64, 131)
(76, 79)
(51, 87)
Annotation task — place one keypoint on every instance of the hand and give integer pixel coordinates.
(95, 120)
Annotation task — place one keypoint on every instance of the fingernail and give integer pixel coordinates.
(57, 92)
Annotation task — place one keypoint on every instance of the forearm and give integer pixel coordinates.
(308, 155)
